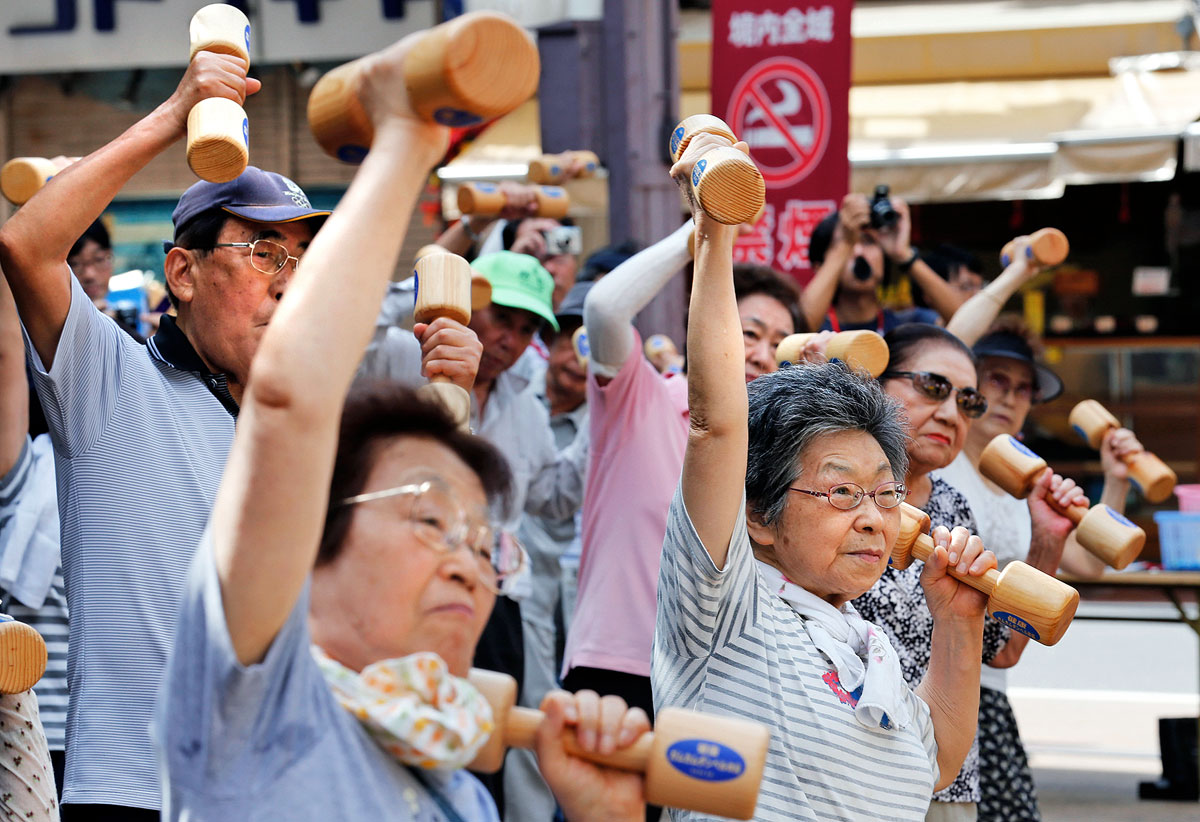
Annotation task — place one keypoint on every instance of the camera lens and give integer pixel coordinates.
(882, 213)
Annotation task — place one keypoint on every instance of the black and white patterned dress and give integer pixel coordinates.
(897, 604)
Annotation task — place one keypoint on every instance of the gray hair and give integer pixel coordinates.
(792, 407)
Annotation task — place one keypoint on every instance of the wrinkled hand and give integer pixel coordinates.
(1063, 491)
(681, 173)
(814, 348)
(449, 349)
(587, 792)
(1022, 255)
(519, 200)
(210, 75)
(1118, 445)
(384, 96)
(948, 598)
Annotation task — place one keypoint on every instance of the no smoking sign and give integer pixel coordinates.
(780, 107)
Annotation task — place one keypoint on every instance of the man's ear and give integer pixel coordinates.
(760, 532)
(180, 271)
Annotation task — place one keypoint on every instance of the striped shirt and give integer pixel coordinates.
(50, 618)
(725, 644)
(141, 434)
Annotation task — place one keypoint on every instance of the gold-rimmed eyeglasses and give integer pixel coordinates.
(847, 495)
(267, 256)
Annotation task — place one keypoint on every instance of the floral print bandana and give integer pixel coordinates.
(414, 708)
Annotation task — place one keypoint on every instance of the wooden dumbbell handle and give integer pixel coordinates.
(923, 548)
(522, 725)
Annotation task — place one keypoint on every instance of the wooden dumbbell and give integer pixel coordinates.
(551, 169)
(476, 67)
(692, 761)
(861, 350)
(481, 289)
(488, 200)
(1007, 462)
(1091, 420)
(22, 656)
(22, 177)
(1022, 597)
(726, 183)
(218, 143)
(444, 290)
(663, 354)
(1047, 246)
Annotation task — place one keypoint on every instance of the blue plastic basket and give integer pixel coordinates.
(1179, 539)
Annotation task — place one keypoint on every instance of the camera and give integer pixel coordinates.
(567, 239)
(882, 213)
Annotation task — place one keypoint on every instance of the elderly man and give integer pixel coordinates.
(116, 409)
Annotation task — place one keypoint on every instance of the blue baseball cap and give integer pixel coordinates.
(261, 196)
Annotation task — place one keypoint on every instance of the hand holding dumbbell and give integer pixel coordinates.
(663, 355)
(491, 199)
(474, 68)
(444, 290)
(218, 142)
(1101, 530)
(1044, 247)
(692, 761)
(1092, 421)
(1022, 597)
(725, 181)
(552, 169)
(860, 350)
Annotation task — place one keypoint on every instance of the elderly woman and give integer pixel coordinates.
(787, 510)
(932, 374)
(340, 693)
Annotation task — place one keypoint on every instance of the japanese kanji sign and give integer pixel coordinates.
(781, 79)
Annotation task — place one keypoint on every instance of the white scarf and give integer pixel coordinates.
(859, 650)
(414, 708)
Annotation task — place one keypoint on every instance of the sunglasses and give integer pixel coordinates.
(936, 387)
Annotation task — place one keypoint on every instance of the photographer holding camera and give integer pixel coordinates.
(851, 249)
(555, 243)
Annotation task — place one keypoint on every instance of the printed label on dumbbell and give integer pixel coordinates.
(1020, 446)
(456, 117)
(246, 132)
(706, 760)
(676, 139)
(1120, 518)
(553, 191)
(1082, 434)
(351, 154)
(1017, 624)
(701, 164)
(582, 349)
(247, 34)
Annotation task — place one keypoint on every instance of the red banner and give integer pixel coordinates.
(781, 79)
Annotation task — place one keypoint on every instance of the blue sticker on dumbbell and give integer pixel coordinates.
(247, 38)
(701, 164)
(1017, 624)
(555, 170)
(456, 117)
(1020, 446)
(706, 760)
(581, 344)
(1082, 434)
(351, 153)
(552, 191)
(246, 131)
(1119, 518)
(676, 139)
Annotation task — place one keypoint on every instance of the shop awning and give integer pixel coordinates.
(945, 142)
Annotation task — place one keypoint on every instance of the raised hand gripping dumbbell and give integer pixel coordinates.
(22, 656)
(726, 183)
(692, 761)
(444, 290)
(218, 142)
(551, 169)
(481, 289)
(1047, 246)
(22, 177)
(861, 350)
(488, 199)
(1092, 421)
(477, 67)
(1114, 539)
(1022, 597)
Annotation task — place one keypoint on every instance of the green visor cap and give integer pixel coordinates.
(519, 281)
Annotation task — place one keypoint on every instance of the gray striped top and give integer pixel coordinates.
(139, 448)
(725, 644)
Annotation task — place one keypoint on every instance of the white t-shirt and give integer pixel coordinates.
(1004, 526)
(725, 644)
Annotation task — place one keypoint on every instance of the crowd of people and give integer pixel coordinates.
(240, 536)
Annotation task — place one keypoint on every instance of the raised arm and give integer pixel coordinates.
(942, 297)
(35, 242)
(714, 464)
(977, 314)
(614, 301)
(265, 543)
(14, 388)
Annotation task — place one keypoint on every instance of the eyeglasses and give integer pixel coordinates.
(441, 524)
(266, 256)
(848, 495)
(98, 261)
(1003, 384)
(937, 388)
